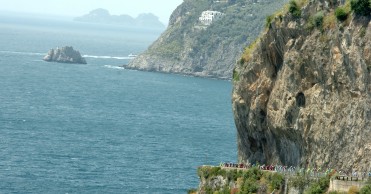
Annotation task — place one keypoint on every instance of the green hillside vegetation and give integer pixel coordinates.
(249, 181)
(254, 180)
(241, 23)
(188, 41)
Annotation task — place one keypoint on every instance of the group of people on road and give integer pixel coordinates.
(292, 169)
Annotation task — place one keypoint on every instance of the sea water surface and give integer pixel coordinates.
(99, 128)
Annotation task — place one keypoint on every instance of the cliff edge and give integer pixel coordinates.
(301, 92)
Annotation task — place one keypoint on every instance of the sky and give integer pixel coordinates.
(74, 8)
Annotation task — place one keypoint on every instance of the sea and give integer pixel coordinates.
(100, 128)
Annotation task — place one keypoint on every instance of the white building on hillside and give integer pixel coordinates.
(208, 17)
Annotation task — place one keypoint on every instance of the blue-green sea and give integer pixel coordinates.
(99, 128)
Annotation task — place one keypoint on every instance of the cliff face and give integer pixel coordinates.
(303, 96)
(191, 48)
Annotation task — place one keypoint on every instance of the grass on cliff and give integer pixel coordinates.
(293, 7)
(361, 7)
(236, 75)
(247, 54)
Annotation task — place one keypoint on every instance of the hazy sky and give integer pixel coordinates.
(161, 8)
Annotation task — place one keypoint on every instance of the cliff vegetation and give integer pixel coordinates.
(219, 180)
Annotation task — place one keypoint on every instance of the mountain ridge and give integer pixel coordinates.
(143, 20)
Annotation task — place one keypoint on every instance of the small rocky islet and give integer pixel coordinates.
(64, 54)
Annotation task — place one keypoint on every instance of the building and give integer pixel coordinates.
(208, 17)
(221, 1)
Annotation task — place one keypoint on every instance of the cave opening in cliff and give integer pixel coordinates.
(263, 115)
(253, 144)
(300, 99)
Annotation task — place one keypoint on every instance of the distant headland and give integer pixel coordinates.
(144, 20)
(64, 55)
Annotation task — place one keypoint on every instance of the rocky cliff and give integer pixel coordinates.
(64, 55)
(303, 95)
(192, 48)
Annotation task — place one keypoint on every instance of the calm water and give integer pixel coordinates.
(97, 128)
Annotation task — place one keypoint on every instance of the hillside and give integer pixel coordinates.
(192, 48)
(301, 94)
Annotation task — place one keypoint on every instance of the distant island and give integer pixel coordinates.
(64, 55)
(144, 20)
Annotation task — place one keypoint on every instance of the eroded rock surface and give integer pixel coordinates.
(64, 55)
(303, 98)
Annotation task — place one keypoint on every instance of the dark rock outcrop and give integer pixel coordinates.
(303, 96)
(64, 55)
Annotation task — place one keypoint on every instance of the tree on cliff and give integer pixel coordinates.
(361, 7)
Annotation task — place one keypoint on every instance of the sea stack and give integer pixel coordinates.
(64, 55)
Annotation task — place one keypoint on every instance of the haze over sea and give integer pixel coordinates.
(98, 128)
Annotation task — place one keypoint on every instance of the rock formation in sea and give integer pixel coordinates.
(64, 55)
(301, 93)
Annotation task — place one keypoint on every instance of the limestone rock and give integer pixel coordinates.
(64, 55)
(303, 98)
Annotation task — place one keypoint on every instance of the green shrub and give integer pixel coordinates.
(253, 173)
(300, 181)
(276, 180)
(361, 7)
(310, 24)
(318, 19)
(233, 174)
(294, 9)
(208, 172)
(242, 61)
(329, 21)
(225, 190)
(236, 75)
(268, 21)
(320, 186)
(366, 189)
(314, 189)
(341, 14)
(250, 186)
